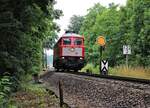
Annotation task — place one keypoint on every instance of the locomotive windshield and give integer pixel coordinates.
(66, 41)
(78, 41)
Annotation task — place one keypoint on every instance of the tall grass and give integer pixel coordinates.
(135, 72)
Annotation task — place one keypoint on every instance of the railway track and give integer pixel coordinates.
(119, 78)
(92, 90)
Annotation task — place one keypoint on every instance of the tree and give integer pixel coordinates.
(120, 26)
(25, 27)
(134, 27)
(75, 23)
(25, 31)
(101, 21)
(107, 25)
(90, 36)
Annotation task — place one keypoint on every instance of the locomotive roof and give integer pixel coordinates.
(71, 34)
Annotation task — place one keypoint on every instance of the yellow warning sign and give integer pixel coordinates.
(101, 40)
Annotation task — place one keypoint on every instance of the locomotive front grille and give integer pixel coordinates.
(71, 58)
(73, 62)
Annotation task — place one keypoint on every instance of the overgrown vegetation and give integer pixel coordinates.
(128, 25)
(5, 87)
(25, 28)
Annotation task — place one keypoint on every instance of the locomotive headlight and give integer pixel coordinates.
(63, 57)
(72, 49)
(81, 58)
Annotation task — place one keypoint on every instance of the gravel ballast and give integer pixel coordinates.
(89, 92)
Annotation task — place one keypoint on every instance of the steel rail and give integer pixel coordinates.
(120, 78)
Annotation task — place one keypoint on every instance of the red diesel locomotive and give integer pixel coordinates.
(69, 52)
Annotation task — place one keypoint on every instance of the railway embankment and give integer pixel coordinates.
(89, 92)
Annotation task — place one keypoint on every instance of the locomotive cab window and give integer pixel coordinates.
(78, 41)
(66, 41)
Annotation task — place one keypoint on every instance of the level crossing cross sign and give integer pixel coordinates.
(104, 67)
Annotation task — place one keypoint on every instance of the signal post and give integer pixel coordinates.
(103, 70)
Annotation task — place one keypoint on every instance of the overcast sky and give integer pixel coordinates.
(77, 7)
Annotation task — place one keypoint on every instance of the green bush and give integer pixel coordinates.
(91, 68)
(5, 90)
(8, 84)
